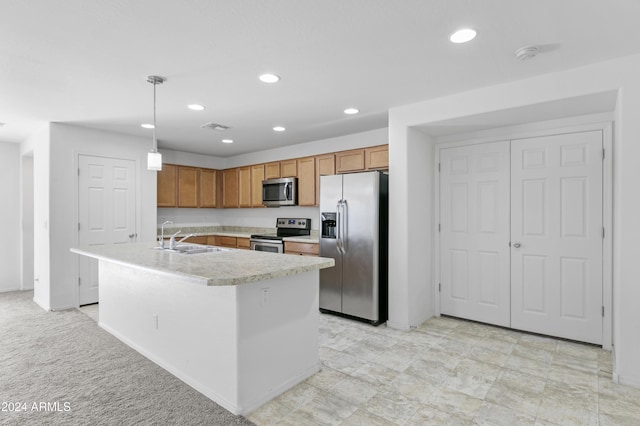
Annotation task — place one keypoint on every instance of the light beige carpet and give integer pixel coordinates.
(60, 368)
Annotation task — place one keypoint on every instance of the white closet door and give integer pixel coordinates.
(556, 235)
(106, 204)
(474, 236)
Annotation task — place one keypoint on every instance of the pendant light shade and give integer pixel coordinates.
(154, 158)
(154, 161)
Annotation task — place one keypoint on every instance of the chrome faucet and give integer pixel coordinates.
(173, 243)
(161, 239)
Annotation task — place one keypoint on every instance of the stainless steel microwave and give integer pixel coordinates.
(280, 192)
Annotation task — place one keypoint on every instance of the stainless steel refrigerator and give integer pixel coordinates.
(354, 222)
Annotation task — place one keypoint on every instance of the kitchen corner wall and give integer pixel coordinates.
(619, 76)
(66, 144)
(261, 217)
(10, 216)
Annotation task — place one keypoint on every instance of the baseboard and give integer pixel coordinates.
(7, 290)
(250, 407)
(197, 385)
(398, 326)
(243, 409)
(43, 306)
(627, 380)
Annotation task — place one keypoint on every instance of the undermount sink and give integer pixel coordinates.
(192, 249)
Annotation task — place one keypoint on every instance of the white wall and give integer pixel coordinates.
(67, 142)
(615, 75)
(38, 146)
(10, 216)
(27, 215)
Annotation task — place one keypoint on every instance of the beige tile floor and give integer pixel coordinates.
(452, 372)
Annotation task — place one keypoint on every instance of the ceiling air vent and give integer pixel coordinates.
(214, 126)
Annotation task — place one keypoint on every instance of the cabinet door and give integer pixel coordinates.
(377, 157)
(208, 188)
(243, 243)
(212, 240)
(325, 166)
(350, 161)
(230, 188)
(244, 186)
(272, 170)
(288, 168)
(196, 240)
(307, 181)
(167, 195)
(305, 249)
(257, 176)
(226, 241)
(187, 186)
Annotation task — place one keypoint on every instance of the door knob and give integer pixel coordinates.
(133, 235)
(517, 244)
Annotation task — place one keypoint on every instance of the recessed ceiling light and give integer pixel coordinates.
(147, 126)
(227, 140)
(195, 107)
(269, 78)
(351, 111)
(279, 129)
(462, 36)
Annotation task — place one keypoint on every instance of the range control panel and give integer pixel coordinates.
(295, 223)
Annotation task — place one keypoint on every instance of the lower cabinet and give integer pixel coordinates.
(303, 249)
(231, 242)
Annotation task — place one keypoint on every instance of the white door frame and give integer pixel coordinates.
(607, 207)
(76, 201)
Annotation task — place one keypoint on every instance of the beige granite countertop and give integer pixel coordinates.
(230, 267)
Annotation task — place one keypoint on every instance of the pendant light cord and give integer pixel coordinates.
(155, 141)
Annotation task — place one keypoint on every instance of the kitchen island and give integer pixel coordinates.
(239, 326)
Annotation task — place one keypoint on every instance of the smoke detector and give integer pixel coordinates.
(526, 52)
(214, 126)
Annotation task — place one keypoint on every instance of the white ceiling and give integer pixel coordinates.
(85, 62)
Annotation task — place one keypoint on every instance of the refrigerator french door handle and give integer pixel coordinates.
(345, 233)
(339, 227)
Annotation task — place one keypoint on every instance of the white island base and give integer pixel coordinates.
(240, 345)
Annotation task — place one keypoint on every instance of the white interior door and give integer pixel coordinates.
(106, 213)
(474, 235)
(556, 234)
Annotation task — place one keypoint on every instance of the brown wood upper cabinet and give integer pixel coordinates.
(377, 157)
(288, 168)
(272, 170)
(257, 176)
(306, 181)
(208, 188)
(350, 161)
(187, 186)
(244, 186)
(230, 190)
(325, 165)
(167, 192)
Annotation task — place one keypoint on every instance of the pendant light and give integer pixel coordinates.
(154, 158)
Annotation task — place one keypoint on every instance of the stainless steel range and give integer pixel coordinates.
(285, 227)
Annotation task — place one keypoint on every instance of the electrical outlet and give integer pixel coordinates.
(265, 296)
